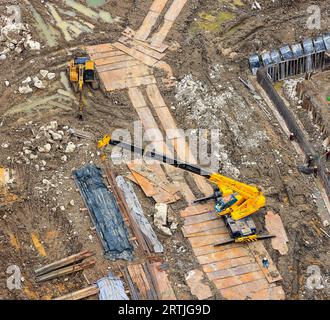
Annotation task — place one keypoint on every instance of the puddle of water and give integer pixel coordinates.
(212, 23)
(95, 3)
(47, 32)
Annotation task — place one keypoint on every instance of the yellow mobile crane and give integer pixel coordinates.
(234, 201)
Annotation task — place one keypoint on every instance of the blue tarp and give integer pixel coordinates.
(105, 213)
(111, 288)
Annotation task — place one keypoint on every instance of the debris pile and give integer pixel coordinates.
(36, 82)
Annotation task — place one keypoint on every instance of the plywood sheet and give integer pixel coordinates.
(159, 37)
(150, 52)
(227, 264)
(270, 293)
(258, 250)
(241, 279)
(203, 185)
(147, 187)
(274, 225)
(147, 118)
(158, 5)
(136, 54)
(235, 271)
(231, 253)
(196, 209)
(131, 72)
(216, 231)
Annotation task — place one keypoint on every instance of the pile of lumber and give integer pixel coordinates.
(64, 266)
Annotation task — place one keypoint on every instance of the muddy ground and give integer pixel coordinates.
(211, 55)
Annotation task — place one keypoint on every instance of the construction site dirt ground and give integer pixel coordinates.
(208, 49)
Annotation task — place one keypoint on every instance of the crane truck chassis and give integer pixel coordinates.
(235, 201)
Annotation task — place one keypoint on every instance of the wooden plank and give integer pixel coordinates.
(204, 226)
(227, 264)
(231, 253)
(136, 54)
(80, 294)
(159, 37)
(155, 96)
(148, 188)
(106, 47)
(110, 60)
(258, 250)
(150, 52)
(139, 278)
(274, 225)
(166, 119)
(235, 271)
(175, 9)
(203, 185)
(201, 251)
(161, 282)
(147, 118)
(245, 290)
(136, 97)
(131, 72)
(159, 49)
(127, 83)
(195, 281)
(208, 216)
(241, 279)
(147, 25)
(103, 55)
(196, 209)
(118, 65)
(158, 6)
(208, 240)
(216, 231)
(270, 293)
(64, 262)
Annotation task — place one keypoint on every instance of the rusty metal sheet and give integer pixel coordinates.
(274, 225)
(136, 54)
(227, 264)
(259, 252)
(194, 279)
(231, 253)
(208, 240)
(244, 291)
(235, 271)
(241, 279)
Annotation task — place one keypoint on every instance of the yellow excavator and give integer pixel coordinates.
(234, 201)
(82, 71)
